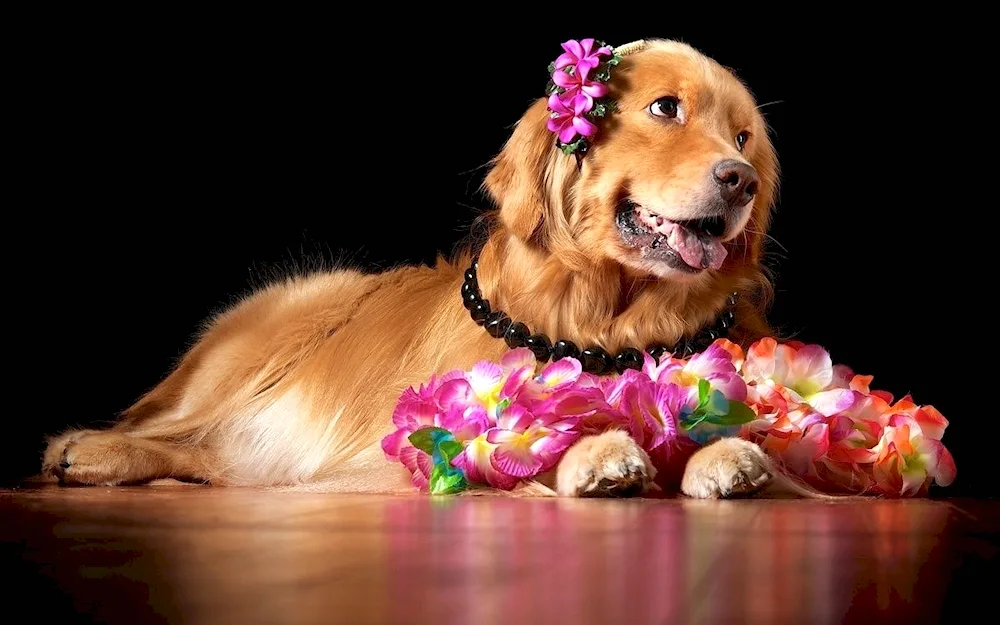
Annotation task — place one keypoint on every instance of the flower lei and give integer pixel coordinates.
(504, 422)
(578, 92)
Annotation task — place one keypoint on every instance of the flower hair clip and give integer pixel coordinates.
(578, 93)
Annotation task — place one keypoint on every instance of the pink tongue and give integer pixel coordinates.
(696, 252)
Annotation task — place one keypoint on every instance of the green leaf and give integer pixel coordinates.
(425, 438)
(717, 404)
(446, 480)
(694, 420)
(552, 67)
(615, 60)
(704, 387)
(552, 88)
(738, 414)
(600, 109)
(450, 449)
(578, 145)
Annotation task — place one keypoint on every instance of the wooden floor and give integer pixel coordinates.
(200, 555)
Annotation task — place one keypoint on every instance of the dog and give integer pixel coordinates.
(642, 240)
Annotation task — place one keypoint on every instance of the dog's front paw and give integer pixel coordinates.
(728, 467)
(608, 465)
(54, 463)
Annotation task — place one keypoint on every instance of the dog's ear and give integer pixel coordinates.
(530, 178)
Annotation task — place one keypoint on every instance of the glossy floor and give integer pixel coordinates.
(201, 555)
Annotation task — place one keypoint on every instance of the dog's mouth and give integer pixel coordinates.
(691, 245)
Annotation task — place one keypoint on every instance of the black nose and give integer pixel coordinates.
(738, 182)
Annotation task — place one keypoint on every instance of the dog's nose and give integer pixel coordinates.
(738, 182)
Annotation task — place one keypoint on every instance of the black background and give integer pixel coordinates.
(166, 170)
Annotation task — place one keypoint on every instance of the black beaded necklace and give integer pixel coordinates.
(594, 359)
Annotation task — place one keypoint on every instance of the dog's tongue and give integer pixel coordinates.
(698, 252)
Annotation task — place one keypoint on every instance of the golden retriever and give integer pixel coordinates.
(295, 385)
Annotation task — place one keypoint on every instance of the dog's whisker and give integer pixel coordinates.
(474, 169)
(767, 236)
(760, 106)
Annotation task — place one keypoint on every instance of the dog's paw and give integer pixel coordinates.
(608, 465)
(728, 467)
(54, 463)
(97, 458)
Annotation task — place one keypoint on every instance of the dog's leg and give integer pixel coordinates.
(111, 458)
(727, 467)
(607, 465)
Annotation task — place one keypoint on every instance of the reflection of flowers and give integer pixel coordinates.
(501, 423)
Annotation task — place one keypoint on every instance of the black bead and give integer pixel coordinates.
(469, 287)
(597, 361)
(722, 330)
(657, 351)
(628, 358)
(480, 311)
(470, 300)
(516, 335)
(709, 336)
(470, 275)
(731, 300)
(698, 344)
(497, 323)
(540, 346)
(726, 319)
(683, 349)
(565, 349)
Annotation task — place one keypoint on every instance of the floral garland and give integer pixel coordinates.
(578, 92)
(504, 422)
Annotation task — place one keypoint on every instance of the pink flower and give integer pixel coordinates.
(577, 84)
(715, 365)
(527, 445)
(581, 54)
(855, 432)
(650, 410)
(799, 439)
(803, 373)
(908, 459)
(476, 460)
(443, 402)
(568, 118)
(932, 423)
(492, 383)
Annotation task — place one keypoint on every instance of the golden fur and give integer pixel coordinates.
(295, 385)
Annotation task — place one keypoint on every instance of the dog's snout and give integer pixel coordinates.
(738, 182)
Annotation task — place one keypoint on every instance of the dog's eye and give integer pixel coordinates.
(741, 140)
(664, 107)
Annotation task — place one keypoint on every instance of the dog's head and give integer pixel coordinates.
(677, 185)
